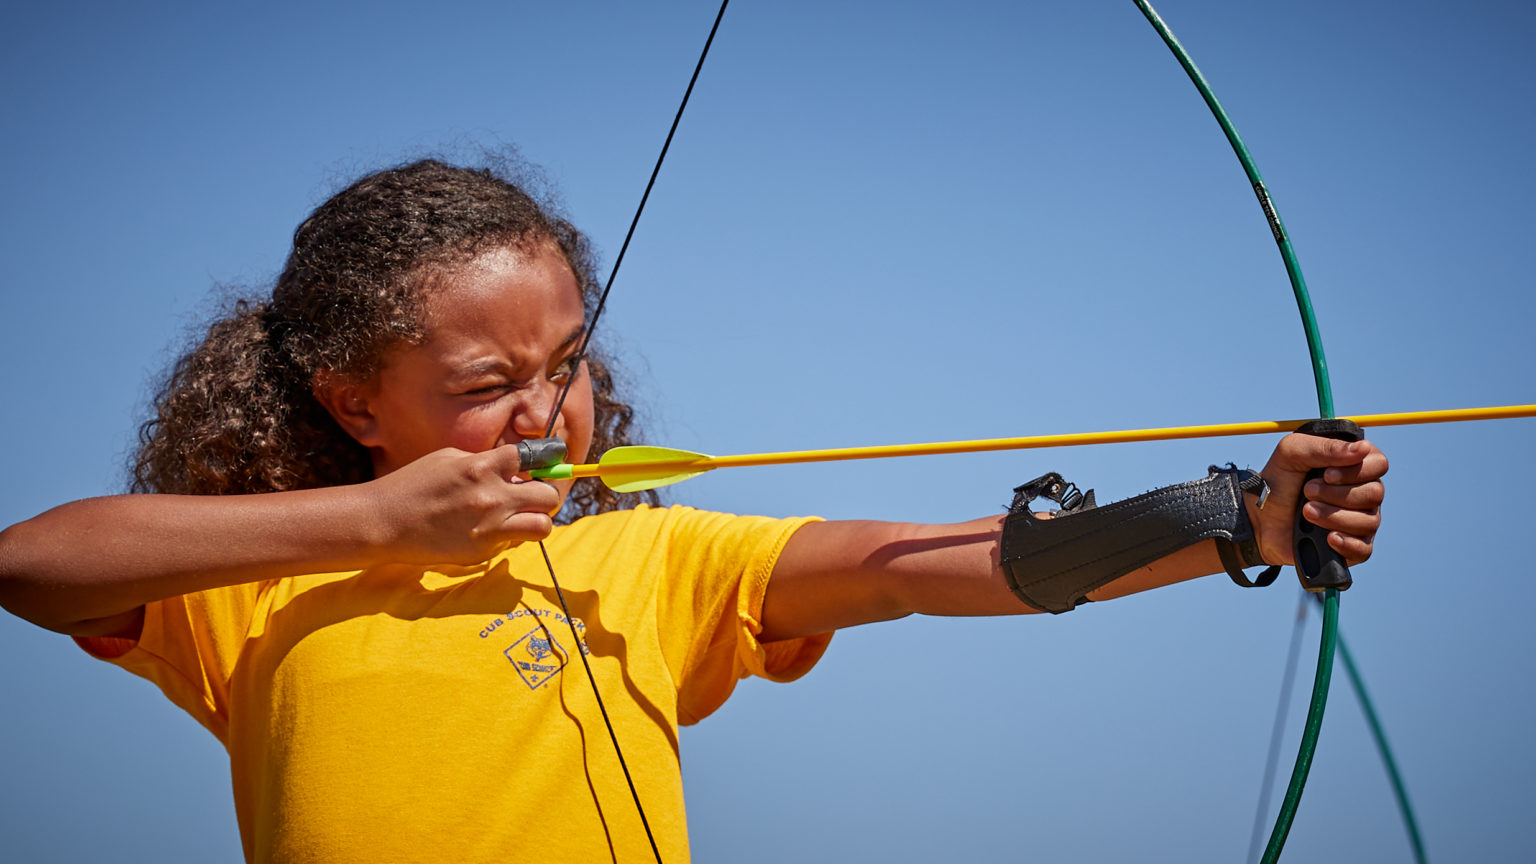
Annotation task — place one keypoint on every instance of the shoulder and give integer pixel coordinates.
(675, 521)
(678, 537)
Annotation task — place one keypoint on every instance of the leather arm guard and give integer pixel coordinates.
(1052, 564)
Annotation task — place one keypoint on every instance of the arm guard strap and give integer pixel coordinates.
(1052, 564)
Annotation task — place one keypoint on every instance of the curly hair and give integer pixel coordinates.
(237, 413)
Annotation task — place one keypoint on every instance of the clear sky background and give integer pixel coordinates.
(880, 222)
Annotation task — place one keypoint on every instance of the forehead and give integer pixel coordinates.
(505, 290)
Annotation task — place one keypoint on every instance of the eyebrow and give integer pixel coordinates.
(489, 366)
(575, 334)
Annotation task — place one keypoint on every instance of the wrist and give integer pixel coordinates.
(1254, 501)
(374, 529)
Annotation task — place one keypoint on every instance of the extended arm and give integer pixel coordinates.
(838, 574)
(88, 567)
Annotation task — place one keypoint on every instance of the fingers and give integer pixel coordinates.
(504, 461)
(523, 509)
(1359, 523)
(1345, 501)
(1310, 451)
(534, 497)
(1372, 465)
(524, 527)
(1352, 471)
(1350, 512)
(521, 514)
(1347, 496)
(1356, 550)
(1351, 493)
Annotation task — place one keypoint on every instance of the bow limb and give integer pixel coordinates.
(1324, 673)
(1330, 600)
(800, 423)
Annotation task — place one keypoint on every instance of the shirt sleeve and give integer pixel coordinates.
(711, 608)
(188, 648)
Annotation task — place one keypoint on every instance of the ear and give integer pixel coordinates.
(348, 401)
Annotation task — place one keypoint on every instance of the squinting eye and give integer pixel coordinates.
(487, 390)
(567, 368)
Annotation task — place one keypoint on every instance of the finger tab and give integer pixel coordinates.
(540, 453)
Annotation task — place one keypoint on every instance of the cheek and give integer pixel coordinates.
(479, 430)
(577, 414)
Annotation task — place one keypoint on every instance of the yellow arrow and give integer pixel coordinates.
(633, 469)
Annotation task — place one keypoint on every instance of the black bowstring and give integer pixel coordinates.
(602, 300)
(554, 416)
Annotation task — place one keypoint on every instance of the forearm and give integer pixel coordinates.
(839, 574)
(103, 557)
(957, 573)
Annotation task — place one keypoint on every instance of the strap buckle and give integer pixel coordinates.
(1052, 487)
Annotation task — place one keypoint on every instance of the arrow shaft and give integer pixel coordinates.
(839, 454)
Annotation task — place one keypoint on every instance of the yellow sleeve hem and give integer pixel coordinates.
(776, 661)
(178, 686)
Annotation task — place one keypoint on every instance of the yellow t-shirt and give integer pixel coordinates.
(403, 713)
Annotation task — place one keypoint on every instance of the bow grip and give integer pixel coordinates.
(1318, 565)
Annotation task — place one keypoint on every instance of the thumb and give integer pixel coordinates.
(1311, 451)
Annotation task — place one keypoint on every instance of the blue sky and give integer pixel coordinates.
(879, 223)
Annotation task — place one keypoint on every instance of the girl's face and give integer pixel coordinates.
(501, 336)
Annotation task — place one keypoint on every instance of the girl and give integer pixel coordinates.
(338, 577)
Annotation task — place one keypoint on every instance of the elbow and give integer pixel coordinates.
(35, 587)
(26, 591)
(13, 570)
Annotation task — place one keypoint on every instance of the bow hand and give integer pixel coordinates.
(1345, 500)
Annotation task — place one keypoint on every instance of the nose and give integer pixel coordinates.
(536, 405)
